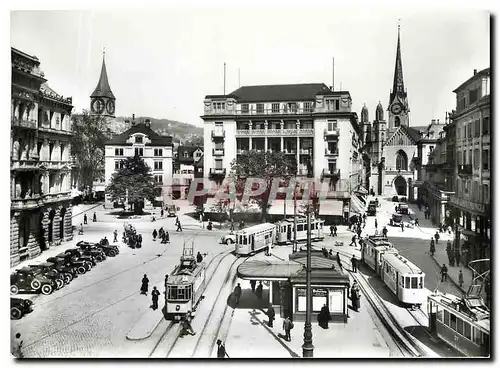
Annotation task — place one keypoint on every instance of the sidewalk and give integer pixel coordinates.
(440, 257)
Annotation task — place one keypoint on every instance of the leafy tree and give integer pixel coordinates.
(90, 132)
(264, 165)
(134, 182)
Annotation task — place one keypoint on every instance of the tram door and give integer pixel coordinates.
(432, 312)
(289, 232)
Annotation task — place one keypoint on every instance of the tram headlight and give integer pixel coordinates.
(177, 307)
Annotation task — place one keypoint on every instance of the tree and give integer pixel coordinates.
(90, 133)
(133, 182)
(263, 165)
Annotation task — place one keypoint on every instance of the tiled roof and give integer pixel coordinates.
(412, 132)
(279, 92)
(190, 151)
(484, 72)
(156, 139)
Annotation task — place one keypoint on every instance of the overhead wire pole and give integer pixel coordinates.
(308, 347)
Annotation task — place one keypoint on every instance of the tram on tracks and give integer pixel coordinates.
(254, 238)
(372, 249)
(185, 286)
(285, 230)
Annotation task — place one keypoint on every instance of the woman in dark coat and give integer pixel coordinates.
(155, 233)
(324, 317)
(144, 287)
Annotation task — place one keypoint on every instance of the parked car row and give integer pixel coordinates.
(57, 271)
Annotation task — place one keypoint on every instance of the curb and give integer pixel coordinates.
(145, 336)
(449, 277)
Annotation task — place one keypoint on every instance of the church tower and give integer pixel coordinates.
(102, 100)
(398, 101)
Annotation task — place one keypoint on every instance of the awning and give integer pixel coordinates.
(331, 207)
(356, 205)
(361, 190)
(278, 207)
(267, 270)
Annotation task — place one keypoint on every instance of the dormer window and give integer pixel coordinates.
(186, 155)
(138, 139)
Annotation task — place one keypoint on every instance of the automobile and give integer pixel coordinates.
(108, 249)
(76, 262)
(172, 210)
(20, 307)
(403, 208)
(396, 219)
(26, 279)
(47, 269)
(61, 265)
(228, 239)
(93, 251)
(373, 202)
(88, 259)
(395, 198)
(372, 210)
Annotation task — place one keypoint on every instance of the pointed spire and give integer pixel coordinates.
(103, 89)
(398, 87)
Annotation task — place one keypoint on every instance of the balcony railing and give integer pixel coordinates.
(218, 133)
(218, 151)
(290, 151)
(55, 165)
(335, 131)
(26, 203)
(24, 165)
(30, 124)
(465, 169)
(334, 152)
(307, 132)
(280, 111)
(217, 172)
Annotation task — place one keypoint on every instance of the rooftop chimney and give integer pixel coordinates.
(475, 71)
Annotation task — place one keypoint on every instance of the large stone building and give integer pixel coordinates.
(40, 161)
(310, 122)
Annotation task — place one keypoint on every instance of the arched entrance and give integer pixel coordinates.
(400, 185)
(61, 223)
(50, 233)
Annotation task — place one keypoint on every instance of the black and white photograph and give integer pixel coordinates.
(249, 181)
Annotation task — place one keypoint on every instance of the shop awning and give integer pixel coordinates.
(356, 205)
(278, 207)
(331, 207)
(268, 270)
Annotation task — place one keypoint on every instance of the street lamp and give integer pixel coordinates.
(294, 248)
(308, 347)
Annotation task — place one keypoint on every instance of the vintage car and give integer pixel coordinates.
(395, 198)
(172, 210)
(403, 208)
(61, 265)
(396, 219)
(26, 279)
(228, 239)
(93, 251)
(373, 202)
(47, 269)
(108, 249)
(89, 259)
(19, 307)
(372, 210)
(77, 262)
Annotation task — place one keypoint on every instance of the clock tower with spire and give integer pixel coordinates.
(398, 101)
(102, 100)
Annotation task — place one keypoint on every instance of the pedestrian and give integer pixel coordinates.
(334, 230)
(155, 233)
(359, 232)
(80, 232)
(237, 293)
(144, 286)
(460, 278)
(85, 219)
(94, 218)
(444, 273)
(331, 230)
(155, 294)
(231, 228)
(353, 241)
(457, 257)
(186, 324)
(376, 223)
(354, 264)
(166, 282)
(270, 314)
(402, 226)
(353, 297)
(258, 291)
(287, 326)
(432, 248)
(416, 221)
(452, 259)
(162, 213)
(115, 234)
(176, 220)
(436, 236)
(221, 350)
(167, 237)
(338, 261)
(139, 241)
(160, 232)
(330, 253)
(324, 317)
(384, 232)
(179, 227)
(357, 297)
(252, 285)
(199, 258)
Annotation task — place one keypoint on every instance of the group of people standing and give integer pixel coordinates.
(161, 234)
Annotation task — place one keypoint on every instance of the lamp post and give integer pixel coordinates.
(295, 219)
(308, 347)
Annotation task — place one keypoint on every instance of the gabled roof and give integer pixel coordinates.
(103, 89)
(484, 72)
(279, 92)
(412, 133)
(190, 151)
(156, 139)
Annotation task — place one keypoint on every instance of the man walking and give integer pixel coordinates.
(81, 230)
(259, 290)
(252, 285)
(287, 326)
(331, 230)
(384, 232)
(444, 273)
(354, 264)
(338, 261)
(221, 350)
(179, 227)
(353, 241)
(144, 286)
(199, 258)
(376, 224)
(115, 233)
(402, 226)
(436, 236)
(155, 294)
(237, 293)
(334, 230)
(270, 314)
(85, 219)
(94, 219)
(155, 234)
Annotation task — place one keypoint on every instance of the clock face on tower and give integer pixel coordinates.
(98, 106)
(396, 108)
(110, 107)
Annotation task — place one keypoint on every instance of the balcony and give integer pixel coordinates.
(55, 165)
(218, 152)
(335, 174)
(218, 134)
(22, 123)
(217, 172)
(280, 111)
(309, 132)
(26, 203)
(464, 169)
(57, 197)
(333, 153)
(333, 132)
(24, 165)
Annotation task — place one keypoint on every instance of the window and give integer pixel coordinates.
(139, 151)
(185, 155)
(118, 151)
(292, 106)
(401, 161)
(486, 159)
(307, 107)
(477, 128)
(244, 108)
(439, 315)
(119, 164)
(414, 282)
(397, 122)
(332, 125)
(407, 282)
(260, 108)
(460, 326)
(476, 158)
(470, 157)
(467, 331)
(332, 104)
(469, 130)
(478, 336)
(464, 157)
(219, 106)
(218, 164)
(159, 179)
(472, 96)
(275, 107)
(486, 193)
(453, 322)
(158, 165)
(486, 125)
(466, 186)
(446, 318)
(158, 152)
(138, 139)
(300, 227)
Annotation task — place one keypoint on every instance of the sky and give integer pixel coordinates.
(163, 62)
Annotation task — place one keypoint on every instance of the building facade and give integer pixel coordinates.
(156, 151)
(188, 164)
(40, 211)
(310, 122)
(468, 137)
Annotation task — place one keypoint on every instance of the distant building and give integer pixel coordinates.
(156, 150)
(40, 190)
(188, 164)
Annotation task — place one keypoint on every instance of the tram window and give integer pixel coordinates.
(402, 281)
(300, 227)
(407, 282)
(453, 322)
(245, 242)
(478, 338)
(460, 326)
(467, 331)
(414, 282)
(439, 315)
(446, 318)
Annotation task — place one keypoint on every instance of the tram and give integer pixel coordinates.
(254, 238)
(372, 249)
(285, 230)
(185, 286)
